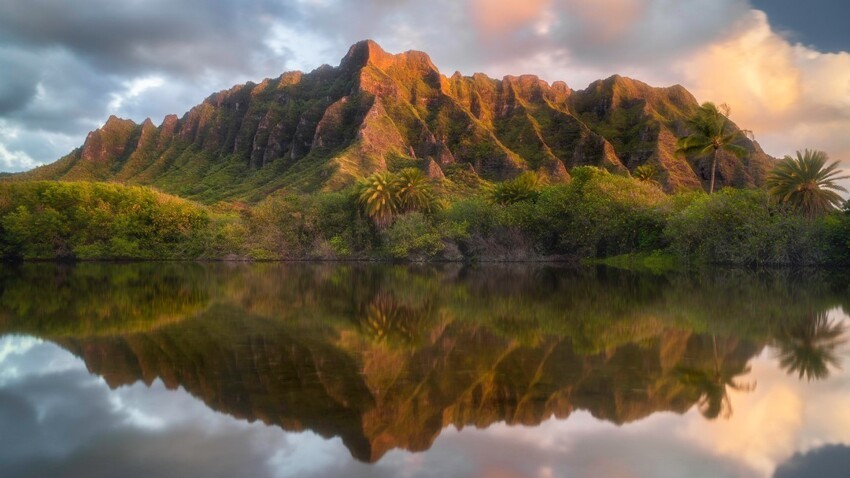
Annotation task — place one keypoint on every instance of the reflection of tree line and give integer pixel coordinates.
(52, 300)
(386, 357)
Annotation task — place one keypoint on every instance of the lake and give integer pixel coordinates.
(279, 370)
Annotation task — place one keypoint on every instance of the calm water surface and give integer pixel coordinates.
(272, 370)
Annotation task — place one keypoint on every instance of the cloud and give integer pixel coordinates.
(493, 18)
(73, 67)
(826, 462)
(134, 37)
(791, 96)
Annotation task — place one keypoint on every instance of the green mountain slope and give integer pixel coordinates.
(325, 129)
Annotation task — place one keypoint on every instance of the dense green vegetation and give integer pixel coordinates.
(404, 215)
(47, 220)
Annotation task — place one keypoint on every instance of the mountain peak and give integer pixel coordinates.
(363, 53)
(368, 52)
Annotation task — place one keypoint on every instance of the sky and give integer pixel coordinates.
(781, 65)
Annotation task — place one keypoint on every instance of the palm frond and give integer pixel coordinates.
(807, 183)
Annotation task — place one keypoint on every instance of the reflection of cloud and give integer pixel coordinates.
(56, 416)
(781, 417)
(61, 421)
(763, 429)
(827, 462)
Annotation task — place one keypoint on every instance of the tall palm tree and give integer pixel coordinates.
(414, 191)
(378, 199)
(711, 132)
(807, 347)
(807, 183)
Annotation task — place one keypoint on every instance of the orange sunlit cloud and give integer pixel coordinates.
(604, 20)
(494, 17)
(791, 96)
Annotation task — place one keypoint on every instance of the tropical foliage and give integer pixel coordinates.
(712, 132)
(404, 215)
(524, 187)
(807, 183)
(647, 172)
(414, 191)
(383, 195)
(378, 198)
(47, 220)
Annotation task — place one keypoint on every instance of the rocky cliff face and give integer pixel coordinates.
(326, 128)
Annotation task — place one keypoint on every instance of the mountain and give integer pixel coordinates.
(325, 129)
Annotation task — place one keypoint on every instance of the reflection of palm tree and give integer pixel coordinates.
(385, 320)
(713, 385)
(807, 347)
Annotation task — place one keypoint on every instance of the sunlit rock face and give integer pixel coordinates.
(389, 357)
(326, 128)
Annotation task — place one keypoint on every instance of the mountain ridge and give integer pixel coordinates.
(325, 129)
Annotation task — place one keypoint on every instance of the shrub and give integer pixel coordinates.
(412, 236)
(742, 227)
(48, 220)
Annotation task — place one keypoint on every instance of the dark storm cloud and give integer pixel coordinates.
(819, 23)
(16, 86)
(186, 37)
(67, 95)
(831, 461)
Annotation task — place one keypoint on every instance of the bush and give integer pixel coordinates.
(412, 236)
(835, 231)
(48, 220)
(737, 226)
(596, 215)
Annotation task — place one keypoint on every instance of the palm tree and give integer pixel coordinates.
(645, 173)
(414, 191)
(377, 196)
(807, 347)
(807, 183)
(712, 132)
(523, 187)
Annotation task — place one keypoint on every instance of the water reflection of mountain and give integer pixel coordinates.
(386, 357)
